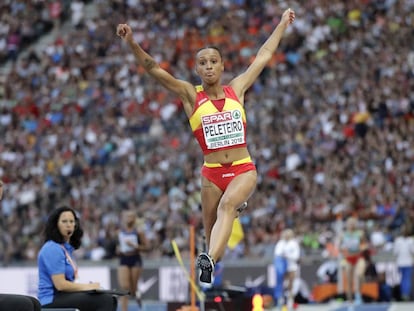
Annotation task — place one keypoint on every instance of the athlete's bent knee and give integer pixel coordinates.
(227, 206)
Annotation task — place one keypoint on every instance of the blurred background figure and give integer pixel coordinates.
(286, 262)
(280, 265)
(353, 243)
(404, 251)
(132, 242)
(327, 272)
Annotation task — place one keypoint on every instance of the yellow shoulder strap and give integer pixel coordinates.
(199, 88)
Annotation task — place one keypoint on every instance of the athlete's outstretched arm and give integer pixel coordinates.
(243, 82)
(183, 89)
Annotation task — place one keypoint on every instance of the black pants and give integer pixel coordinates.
(13, 302)
(84, 301)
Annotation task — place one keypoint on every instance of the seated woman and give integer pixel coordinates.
(58, 272)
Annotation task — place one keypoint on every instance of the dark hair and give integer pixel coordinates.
(52, 232)
(214, 47)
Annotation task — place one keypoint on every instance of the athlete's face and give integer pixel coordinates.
(66, 224)
(130, 219)
(209, 65)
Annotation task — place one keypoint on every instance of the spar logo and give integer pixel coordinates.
(221, 117)
(217, 117)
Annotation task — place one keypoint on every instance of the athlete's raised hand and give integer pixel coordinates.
(124, 31)
(288, 17)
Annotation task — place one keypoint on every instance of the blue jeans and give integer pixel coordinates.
(280, 265)
(405, 285)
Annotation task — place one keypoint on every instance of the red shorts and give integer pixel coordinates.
(352, 259)
(222, 174)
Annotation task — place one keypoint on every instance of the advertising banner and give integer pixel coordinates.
(24, 280)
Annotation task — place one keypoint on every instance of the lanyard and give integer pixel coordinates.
(71, 261)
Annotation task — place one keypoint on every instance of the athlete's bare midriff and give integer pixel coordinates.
(227, 156)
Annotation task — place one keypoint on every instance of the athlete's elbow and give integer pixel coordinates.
(264, 55)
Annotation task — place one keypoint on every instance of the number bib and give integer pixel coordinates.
(223, 129)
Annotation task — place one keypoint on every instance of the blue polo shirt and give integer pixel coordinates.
(51, 261)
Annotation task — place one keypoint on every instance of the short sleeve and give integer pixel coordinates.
(54, 259)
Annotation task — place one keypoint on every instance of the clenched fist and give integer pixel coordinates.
(124, 31)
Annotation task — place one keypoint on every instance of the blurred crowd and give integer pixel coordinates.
(330, 121)
(24, 22)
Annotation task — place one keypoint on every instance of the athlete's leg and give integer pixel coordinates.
(124, 281)
(290, 297)
(359, 273)
(135, 274)
(210, 198)
(237, 192)
(349, 272)
(280, 265)
(405, 283)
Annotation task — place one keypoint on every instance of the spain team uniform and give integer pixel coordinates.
(220, 125)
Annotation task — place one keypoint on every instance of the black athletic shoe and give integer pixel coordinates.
(138, 299)
(206, 265)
